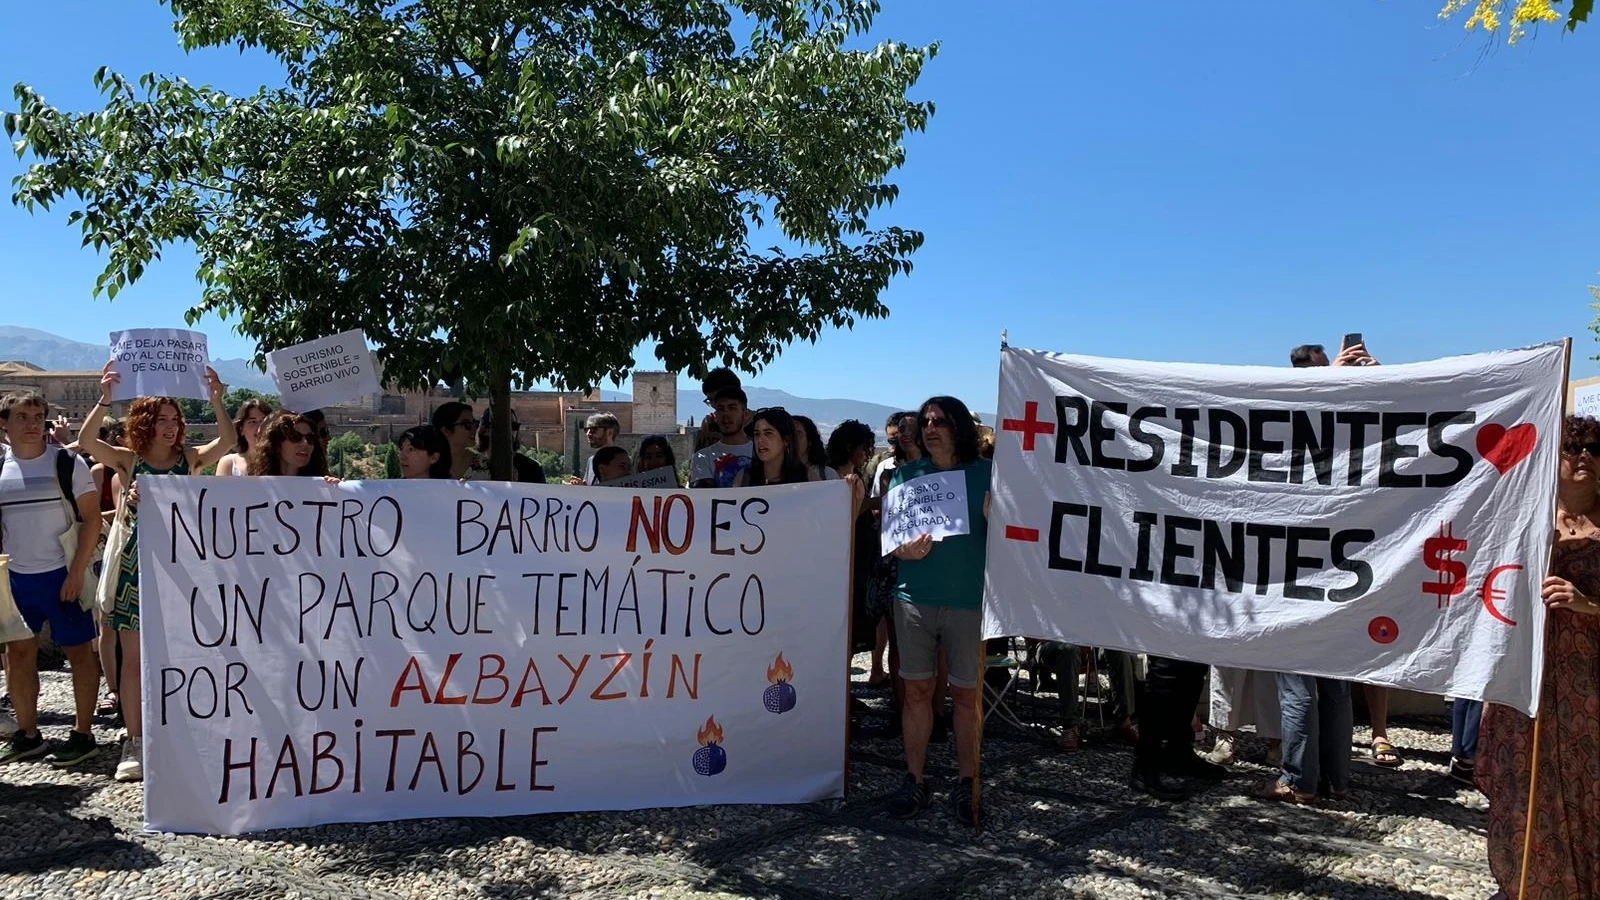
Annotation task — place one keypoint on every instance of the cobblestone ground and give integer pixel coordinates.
(1058, 825)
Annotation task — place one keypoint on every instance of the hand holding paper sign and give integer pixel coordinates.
(159, 362)
(916, 549)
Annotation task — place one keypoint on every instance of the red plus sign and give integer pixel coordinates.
(1030, 426)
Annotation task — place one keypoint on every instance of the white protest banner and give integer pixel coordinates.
(160, 362)
(934, 505)
(1387, 524)
(398, 649)
(664, 478)
(324, 372)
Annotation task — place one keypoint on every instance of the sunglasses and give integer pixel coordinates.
(1592, 448)
(466, 423)
(940, 422)
(296, 437)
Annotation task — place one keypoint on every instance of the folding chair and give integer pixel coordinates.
(998, 702)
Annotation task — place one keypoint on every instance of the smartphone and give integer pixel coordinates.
(1350, 340)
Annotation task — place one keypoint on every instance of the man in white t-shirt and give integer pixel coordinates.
(33, 518)
(719, 464)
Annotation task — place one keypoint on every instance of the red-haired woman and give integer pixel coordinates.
(288, 446)
(153, 446)
(1563, 864)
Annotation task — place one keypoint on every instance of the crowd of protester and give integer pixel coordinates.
(915, 608)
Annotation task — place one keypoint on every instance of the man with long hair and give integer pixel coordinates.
(939, 602)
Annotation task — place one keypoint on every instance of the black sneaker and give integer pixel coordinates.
(910, 800)
(1187, 765)
(1463, 772)
(21, 747)
(76, 749)
(961, 804)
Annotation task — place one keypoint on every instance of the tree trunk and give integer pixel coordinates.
(500, 450)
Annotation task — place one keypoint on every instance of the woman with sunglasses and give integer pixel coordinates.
(939, 603)
(289, 446)
(1563, 862)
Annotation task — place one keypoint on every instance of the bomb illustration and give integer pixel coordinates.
(779, 696)
(710, 759)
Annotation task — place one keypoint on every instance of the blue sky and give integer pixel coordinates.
(1178, 181)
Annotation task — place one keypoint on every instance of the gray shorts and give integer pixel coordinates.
(919, 630)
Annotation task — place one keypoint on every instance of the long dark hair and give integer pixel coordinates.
(264, 456)
(241, 447)
(429, 439)
(658, 440)
(849, 437)
(816, 450)
(963, 431)
(793, 471)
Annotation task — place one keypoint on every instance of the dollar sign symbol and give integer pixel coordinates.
(1438, 554)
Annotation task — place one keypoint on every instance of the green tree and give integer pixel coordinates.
(196, 410)
(391, 461)
(344, 447)
(240, 396)
(553, 464)
(502, 192)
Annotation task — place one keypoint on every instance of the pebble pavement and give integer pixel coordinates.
(1057, 826)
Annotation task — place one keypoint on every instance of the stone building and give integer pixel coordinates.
(69, 393)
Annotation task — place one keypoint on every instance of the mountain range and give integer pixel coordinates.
(49, 351)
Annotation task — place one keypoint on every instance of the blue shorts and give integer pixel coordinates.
(39, 600)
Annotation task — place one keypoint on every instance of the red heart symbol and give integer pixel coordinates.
(1505, 447)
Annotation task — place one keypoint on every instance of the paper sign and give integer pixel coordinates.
(160, 362)
(1586, 401)
(486, 649)
(1385, 524)
(324, 372)
(932, 504)
(662, 479)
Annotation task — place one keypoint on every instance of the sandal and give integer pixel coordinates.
(1383, 754)
(1129, 732)
(1071, 739)
(110, 706)
(1277, 790)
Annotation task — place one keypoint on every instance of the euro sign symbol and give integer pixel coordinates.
(1438, 554)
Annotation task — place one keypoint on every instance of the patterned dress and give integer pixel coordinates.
(125, 609)
(1566, 840)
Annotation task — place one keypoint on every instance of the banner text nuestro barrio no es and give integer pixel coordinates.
(400, 649)
(1388, 524)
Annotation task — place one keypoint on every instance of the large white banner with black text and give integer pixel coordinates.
(398, 649)
(1390, 524)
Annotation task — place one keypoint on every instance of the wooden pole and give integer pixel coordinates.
(977, 734)
(1538, 717)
